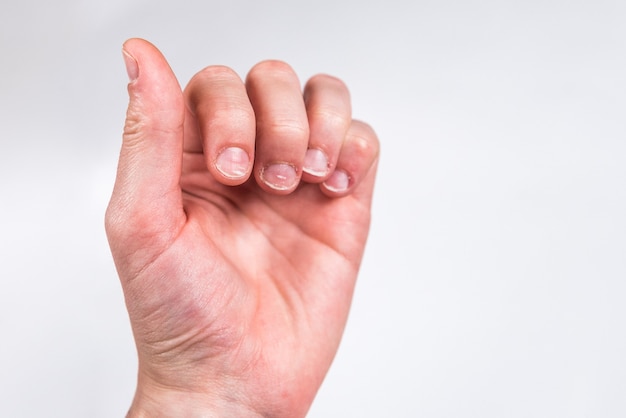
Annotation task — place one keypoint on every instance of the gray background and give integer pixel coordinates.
(495, 276)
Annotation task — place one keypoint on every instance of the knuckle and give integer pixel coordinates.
(364, 140)
(332, 118)
(134, 126)
(362, 146)
(141, 123)
(287, 129)
(113, 222)
(213, 72)
(109, 221)
(229, 117)
(211, 82)
(273, 67)
(327, 80)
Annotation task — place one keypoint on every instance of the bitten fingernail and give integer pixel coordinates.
(233, 162)
(338, 182)
(132, 68)
(279, 176)
(315, 163)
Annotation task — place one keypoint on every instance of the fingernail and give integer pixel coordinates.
(279, 176)
(132, 68)
(315, 163)
(233, 162)
(338, 182)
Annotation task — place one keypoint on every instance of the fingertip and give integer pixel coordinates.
(132, 51)
(146, 65)
(274, 66)
(131, 44)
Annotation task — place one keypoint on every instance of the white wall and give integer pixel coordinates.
(495, 276)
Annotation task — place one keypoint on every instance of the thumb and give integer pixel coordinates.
(145, 211)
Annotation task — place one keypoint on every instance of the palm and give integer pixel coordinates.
(263, 279)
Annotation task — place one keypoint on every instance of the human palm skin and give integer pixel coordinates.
(236, 245)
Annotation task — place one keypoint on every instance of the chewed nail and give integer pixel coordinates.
(132, 68)
(233, 162)
(338, 182)
(279, 176)
(315, 163)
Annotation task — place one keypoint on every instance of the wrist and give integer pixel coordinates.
(154, 400)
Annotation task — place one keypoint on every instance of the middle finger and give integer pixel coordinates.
(282, 129)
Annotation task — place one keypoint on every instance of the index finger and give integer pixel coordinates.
(221, 124)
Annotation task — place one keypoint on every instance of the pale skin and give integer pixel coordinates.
(237, 224)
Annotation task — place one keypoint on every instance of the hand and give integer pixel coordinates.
(237, 224)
